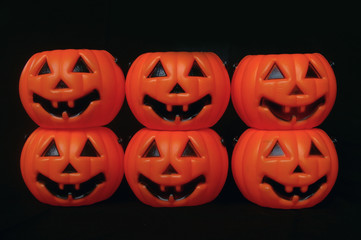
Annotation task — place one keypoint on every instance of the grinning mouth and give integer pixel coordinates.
(76, 191)
(302, 192)
(286, 113)
(166, 193)
(183, 112)
(71, 108)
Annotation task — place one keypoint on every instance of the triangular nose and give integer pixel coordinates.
(177, 89)
(69, 169)
(296, 91)
(298, 169)
(169, 170)
(61, 84)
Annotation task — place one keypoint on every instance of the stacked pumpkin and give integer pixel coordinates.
(282, 161)
(177, 160)
(71, 160)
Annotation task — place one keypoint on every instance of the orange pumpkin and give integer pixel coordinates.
(286, 91)
(176, 168)
(72, 88)
(178, 90)
(72, 167)
(285, 169)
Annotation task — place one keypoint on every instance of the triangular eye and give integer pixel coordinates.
(277, 151)
(275, 73)
(152, 150)
(44, 69)
(89, 150)
(51, 150)
(189, 150)
(312, 72)
(158, 71)
(81, 66)
(196, 70)
(314, 151)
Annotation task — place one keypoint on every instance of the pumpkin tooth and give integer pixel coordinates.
(171, 198)
(295, 198)
(61, 186)
(65, 115)
(162, 188)
(71, 103)
(288, 189)
(185, 108)
(54, 104)
(302, 109)
(304, 189)
(293, 119)
(178, 188)
(169, 107)
(286, 109)
(177, 119)
(77, 186)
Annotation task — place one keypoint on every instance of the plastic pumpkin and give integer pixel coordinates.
(286, 91)
(285, 169)
(178, 90)
(176, 168)
(72, 167)
(72, 88)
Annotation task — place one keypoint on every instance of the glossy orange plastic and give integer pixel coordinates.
(72, 88)
(285, 169)
(72, 167)
(178, 90)
(176, 168)
(286, 91)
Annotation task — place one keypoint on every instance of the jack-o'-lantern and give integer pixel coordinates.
(285, 169)
(178, 90)
(72, 167)
(176, 168)
(72, 88)
(286, 91)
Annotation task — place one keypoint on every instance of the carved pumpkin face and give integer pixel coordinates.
(286, 91)
(72, 167)
(178, 90)
(285, 169)
(72, 88)
(176, 168)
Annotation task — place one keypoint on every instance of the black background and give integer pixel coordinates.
(232, 32)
